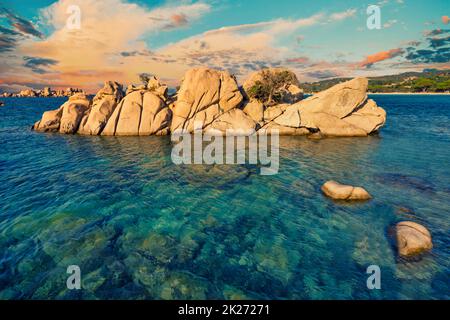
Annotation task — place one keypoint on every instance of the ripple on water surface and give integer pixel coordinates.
(141, 227)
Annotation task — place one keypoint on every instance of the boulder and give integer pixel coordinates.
(130, 115)
(27, 93)
(369, 117)
(412, 239)
(255, 110)
(331, 126)
(46, 92)
(103, 105)
(155, 86)
(72, 113)
(340, 100)
(275, 111)
(233, 122)
(156, 115)
(141, 112)
(204, 95)
(341, 111)
(50, 121)
(272, 127)
(339, 191)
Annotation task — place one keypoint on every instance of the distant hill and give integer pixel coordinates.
(429, 80)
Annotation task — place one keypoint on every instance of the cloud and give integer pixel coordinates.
(298, 60)
(380, 56)
(322, 74)
(20, 24)
(389, 23)
(338, 16)
(111, 31)
(441, 55)
(435, 32)
(437, 42)
(7, 43)
(36, 64)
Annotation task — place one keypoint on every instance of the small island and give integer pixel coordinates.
(270, 100)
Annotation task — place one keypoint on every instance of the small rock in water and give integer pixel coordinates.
(413, 239)
(338, 191)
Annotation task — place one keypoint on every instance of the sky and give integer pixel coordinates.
(41, 43)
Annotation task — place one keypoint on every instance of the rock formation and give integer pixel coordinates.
(204, 95)
(65, 119)
(213, 101)
(339, 191)
(103, 105)
(46, 92)
(143, 111)
(342, 110)
(412, 239)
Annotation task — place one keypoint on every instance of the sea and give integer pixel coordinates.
(138, 226)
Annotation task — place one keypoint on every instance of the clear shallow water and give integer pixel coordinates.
(141, 227)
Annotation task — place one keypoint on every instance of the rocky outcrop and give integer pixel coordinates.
(212, 100)
(103, 105)
(412, 238)
(46, 92)
(72, 113)
(65, 119)
(27, 93)
(233, 122)
(204, 95)
(341, 111)
(339, 191)
(141, 112)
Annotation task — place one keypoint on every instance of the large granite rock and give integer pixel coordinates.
(204, 95)
(103, 105)
(255, 110)
(341, 111)
(141, 112)
(49, 122)
(338, 191)
(412, 239)
(72, 113)
(211, 99)
(369, 117)
(233, 122)
(65, 119)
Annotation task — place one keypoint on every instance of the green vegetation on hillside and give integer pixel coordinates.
(426, 81)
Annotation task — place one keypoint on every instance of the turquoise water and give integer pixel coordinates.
(141, 227)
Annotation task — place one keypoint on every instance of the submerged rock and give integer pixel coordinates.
(339, 191)
(412, 238)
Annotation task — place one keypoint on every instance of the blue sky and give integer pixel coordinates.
(317, 39)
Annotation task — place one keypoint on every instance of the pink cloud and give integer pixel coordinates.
(445, 19)
(380, 56)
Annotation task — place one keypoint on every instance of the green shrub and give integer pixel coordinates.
(269, 89)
